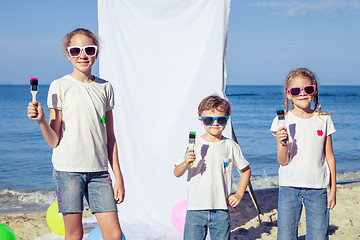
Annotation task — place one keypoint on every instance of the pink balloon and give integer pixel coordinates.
(178, 216)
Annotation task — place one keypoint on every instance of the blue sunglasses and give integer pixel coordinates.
(222, 120)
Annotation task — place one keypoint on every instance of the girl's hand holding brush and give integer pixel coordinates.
(36, 111)
(282, 146)
(281, 136)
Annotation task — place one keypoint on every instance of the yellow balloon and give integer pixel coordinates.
(55, 220)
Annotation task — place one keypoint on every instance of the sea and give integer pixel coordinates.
(25, 158)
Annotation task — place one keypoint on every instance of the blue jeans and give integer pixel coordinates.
(289, 213)
(72, 187)
(198, 221)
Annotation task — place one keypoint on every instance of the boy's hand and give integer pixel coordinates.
(281, 136)
(190, 156)
(233, 200)
(181, 168)
(36, 111)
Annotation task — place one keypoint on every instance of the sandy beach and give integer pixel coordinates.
(344, 218)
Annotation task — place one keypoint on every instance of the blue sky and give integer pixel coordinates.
(266, 39)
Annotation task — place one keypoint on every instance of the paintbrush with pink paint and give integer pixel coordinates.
(34, 87)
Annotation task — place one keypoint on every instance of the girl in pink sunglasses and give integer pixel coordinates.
(80, 131)
(306, 158)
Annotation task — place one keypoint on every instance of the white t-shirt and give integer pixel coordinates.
(83, 140)
(307, 167)
(210, 177)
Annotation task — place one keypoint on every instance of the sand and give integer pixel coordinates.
(28, 226)
(344, 218)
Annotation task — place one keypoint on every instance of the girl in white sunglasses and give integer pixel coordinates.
(80, 131)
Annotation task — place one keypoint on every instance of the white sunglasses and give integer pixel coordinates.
(75, 51)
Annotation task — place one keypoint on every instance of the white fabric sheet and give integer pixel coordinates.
(162, 57)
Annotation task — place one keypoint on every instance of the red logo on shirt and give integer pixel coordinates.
(320, 133)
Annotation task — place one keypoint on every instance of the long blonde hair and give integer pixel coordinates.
(305, 73)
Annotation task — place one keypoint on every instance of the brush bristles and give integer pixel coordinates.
(34, 88)
(280, 113)
(34, 81)
(192, 137)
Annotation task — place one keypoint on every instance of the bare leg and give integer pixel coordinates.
(109, 225)
(73, 226)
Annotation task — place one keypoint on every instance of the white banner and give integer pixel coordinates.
(162, 58)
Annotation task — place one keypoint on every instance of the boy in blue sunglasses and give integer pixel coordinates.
(210, 174)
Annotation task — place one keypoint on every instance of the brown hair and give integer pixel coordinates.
(305, 73)
(214, 102)
(83, 31)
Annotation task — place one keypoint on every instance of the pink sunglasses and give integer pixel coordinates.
(295, 91)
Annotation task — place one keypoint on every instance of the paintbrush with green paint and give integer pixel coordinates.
(192, 137)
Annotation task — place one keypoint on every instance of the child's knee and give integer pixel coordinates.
(115, 234)
(75, 235)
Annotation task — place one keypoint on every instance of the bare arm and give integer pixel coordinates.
(330, 158)
(235, 199)
(119, 189)
(52, 130)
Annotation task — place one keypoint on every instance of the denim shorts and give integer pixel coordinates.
(72, 187)
(198, 221)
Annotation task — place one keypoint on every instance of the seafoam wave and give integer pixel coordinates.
(24, 200)
(12, 200)
(348, 177)
(266, 181)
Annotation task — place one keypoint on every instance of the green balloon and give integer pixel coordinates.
(6, 233)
